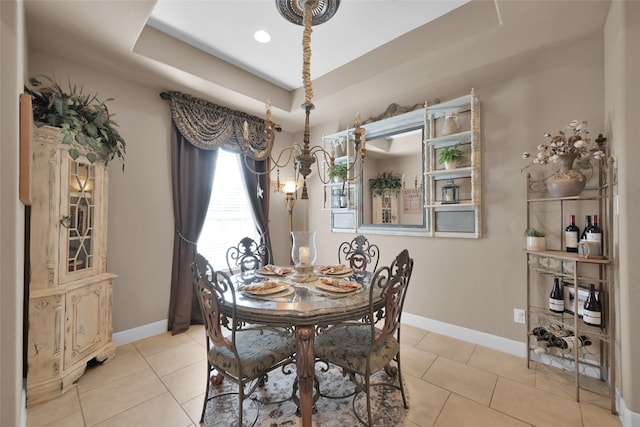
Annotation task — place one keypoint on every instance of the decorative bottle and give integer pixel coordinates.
(571, 235)
(595, 232)
(592, 315)
(587, 227)
(556, 298)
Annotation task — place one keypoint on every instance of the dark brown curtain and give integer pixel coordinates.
(192, 173)
(198, 129)
(259, 200)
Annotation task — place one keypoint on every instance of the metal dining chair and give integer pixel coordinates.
(247, 255)
(359, 347)
(359, 254)
(249, 352)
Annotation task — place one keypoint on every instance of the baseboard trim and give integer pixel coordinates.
(140, 332)
(505, 345)
(628, 418)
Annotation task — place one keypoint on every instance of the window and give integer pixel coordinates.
(229, 217)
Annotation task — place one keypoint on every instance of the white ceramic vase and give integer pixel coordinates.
(536, 243)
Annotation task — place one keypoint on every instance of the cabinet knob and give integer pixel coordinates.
(65, 221)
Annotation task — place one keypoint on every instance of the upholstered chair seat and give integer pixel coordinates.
(348, 347)
(258, 351)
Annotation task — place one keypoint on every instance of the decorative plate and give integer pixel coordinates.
(264, 288)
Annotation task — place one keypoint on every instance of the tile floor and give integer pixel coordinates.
(158, 382)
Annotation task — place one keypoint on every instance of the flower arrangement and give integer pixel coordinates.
(575, 140)
(84, 120)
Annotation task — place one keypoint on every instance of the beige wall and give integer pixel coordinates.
(12, 69)
(622, 68)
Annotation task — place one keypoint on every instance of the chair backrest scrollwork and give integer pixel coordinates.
(211, 287)
(359, 254)
(390, 284)
(247, 255)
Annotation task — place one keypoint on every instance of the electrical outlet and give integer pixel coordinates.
(518, 315)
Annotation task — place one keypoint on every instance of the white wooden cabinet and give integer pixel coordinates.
(70, 290)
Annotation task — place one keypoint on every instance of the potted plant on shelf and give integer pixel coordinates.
(536, 240)
(338, 173)
(386, 182)
(450, 156)
(84, 120)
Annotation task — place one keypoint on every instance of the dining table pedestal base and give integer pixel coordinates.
(305, 366)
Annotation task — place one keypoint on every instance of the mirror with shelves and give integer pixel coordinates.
(406, 187)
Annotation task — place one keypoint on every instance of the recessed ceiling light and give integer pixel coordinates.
(262, 36)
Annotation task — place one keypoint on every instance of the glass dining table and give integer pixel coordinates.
(303, 306)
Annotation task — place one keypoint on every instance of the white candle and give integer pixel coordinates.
(246, 130)
(305, 255)
(268, 105)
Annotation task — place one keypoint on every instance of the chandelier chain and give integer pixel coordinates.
(306, 52)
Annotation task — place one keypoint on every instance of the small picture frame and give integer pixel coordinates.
(569, 297)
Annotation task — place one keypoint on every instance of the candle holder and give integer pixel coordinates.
(303, 254)
(450, 193)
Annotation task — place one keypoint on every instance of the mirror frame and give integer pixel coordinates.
(394, 125)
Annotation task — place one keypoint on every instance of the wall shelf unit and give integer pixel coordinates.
(589, 357)
(460, 219)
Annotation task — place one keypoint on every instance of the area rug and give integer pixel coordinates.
(272, 406)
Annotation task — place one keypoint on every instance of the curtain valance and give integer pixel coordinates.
(209, 126)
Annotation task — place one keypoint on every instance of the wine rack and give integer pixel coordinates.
(563, 340)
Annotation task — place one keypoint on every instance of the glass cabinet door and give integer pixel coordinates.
(80, 218)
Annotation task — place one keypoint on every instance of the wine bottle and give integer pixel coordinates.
(587, 227)
(556, 298)
(595, 232)
(570, 341)
(571, 234)
(592, 308)
(540, 333)
(542, 339)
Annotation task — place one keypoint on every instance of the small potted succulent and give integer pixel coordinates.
(450, 156)
(536, 240)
